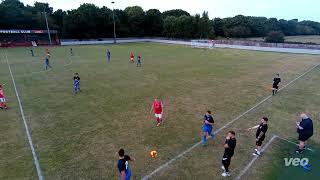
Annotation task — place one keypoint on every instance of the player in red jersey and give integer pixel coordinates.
(157, 107)
(132, 57)
(2, 99)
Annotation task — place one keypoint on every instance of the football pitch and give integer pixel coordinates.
(77, 136)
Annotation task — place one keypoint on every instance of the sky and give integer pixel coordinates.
(281, 9)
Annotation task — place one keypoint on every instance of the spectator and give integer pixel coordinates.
(305, 131)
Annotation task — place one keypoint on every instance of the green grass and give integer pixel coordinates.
(303, 39)
(78, 136)
(296, 39)
(293, 172)
(272, 165)
(282, 112)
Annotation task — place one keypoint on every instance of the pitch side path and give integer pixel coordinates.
(188, 43)
(165, 165)
(33, 151)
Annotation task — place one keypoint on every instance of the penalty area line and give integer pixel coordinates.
(226, 125)
(34, 154)
(255, 158)
(263, 149)
(294, 143)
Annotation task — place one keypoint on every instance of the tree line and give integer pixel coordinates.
(90, 21)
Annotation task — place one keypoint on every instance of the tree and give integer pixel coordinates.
(205, 26)
(153, 23)
(238, 32)
(69, 27)
(283, 24)
(136, 18)
(13, 15)
(175, 13)
(305, 30)
(275, 37)
(169, 27)
(40, 7)
(122, 23)
(292, 27)
(90, 21)
(185, 26)
(218, 25)
(82, 22)
(312, 24)
(105, 22)
(273, 25)
(258, 26)
(57, 18)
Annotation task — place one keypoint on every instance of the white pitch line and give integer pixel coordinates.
(241, 115)
(255, 158)
(299, 77)
(218, 130)
(293, 143)
(35, 157)
(71, 61)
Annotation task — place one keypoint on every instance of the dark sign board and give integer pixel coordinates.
(21, 31)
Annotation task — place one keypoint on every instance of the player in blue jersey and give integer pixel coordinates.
(139, 61)
(109, 55)
(47, 63)
(76, 83)
(207, 127)
(123, 165)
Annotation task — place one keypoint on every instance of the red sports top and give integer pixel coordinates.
(157, 106)
(1, 93)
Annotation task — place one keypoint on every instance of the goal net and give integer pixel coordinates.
(202, 44)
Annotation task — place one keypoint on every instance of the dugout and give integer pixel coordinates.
(16, 37)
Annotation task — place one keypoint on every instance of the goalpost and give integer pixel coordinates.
(199, 43)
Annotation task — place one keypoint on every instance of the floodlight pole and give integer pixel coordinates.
(45, 16)
(114, 25)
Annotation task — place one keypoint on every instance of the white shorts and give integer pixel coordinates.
(158, 116)
(2, 100)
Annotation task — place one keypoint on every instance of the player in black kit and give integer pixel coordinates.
(262, 128)
(123, 165)
(275, 85)
(229, 146)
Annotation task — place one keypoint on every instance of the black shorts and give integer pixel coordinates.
(303, 137)
(226, 160)
(274, 86)
(259, 142)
